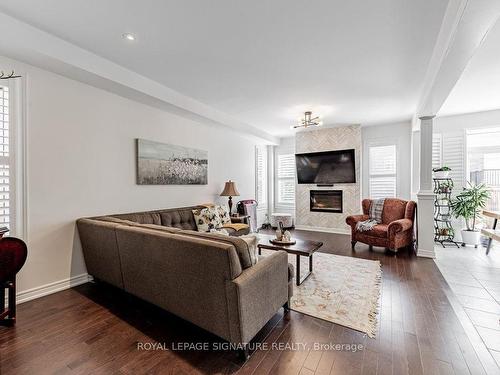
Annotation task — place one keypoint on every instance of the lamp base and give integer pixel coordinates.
(230, 204)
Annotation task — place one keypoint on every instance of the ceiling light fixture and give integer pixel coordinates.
(308, 120)
(128, 36)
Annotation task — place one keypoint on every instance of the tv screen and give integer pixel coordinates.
(330, 167)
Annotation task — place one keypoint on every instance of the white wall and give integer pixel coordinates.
(399, 134)
(467, 121)
(81, 162)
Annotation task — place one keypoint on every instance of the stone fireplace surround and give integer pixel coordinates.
(328, 139)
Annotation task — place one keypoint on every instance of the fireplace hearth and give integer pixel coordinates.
(326, 201)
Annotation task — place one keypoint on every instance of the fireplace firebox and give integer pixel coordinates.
(326, 200)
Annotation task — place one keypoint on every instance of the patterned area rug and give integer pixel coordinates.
(342, 290)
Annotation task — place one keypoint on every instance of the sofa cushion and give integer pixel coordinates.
(115, 220)
(141, 217)
(182, 218)
(158, 227)
(207, 218)
(379, 230)
(240, 245)
(112, 219)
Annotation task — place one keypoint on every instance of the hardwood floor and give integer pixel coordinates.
(423, 328)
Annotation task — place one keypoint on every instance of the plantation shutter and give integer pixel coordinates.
(382, 170)
(5, 160)
(286, 179)
(437, 152)
(453, 157)
(261, 175)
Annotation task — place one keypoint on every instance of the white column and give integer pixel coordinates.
(425, 208)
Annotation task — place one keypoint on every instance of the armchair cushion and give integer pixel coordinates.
(379, 230)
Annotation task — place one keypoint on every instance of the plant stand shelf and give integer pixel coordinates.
(494, 233)
(443, 230)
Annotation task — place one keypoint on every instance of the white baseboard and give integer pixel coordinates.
(57, 286)
(322, 229)
(426, 253)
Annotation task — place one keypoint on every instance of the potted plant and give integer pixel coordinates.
(468, 205)
(445, 187)
(441, 172)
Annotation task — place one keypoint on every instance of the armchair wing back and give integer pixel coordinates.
(396, 229)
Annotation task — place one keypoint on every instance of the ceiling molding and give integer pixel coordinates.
(41, 49)
(465, 25)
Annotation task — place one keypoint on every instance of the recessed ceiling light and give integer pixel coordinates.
(128, 36)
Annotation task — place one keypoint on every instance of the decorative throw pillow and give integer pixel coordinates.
(251, 241)
(223, 214)
(206, 219)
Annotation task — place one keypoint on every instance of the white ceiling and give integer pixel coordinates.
(262, 62)
(478, 89)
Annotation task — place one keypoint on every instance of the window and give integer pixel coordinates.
(483, 162)
(382, 171)
(4, 158)
(285, 179)
(261, 156)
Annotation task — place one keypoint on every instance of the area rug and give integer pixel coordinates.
(342, 290)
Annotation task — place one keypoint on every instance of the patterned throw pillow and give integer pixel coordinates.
(223, 214)
(206, 219)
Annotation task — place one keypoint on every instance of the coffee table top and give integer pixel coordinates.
(301, 247)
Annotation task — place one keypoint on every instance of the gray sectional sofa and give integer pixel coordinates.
(207, 279)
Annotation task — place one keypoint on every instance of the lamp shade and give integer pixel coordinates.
(230, 190)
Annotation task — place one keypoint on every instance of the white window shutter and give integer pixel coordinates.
(437, 150)
(382, 171)
(286, 179)
(261, 175)
(382, 187)
(453, 157)
(4, 158)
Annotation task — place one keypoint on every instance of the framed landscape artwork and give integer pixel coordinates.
(165, 164)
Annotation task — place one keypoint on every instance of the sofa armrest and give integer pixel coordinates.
(399, 226)
(256, 295)
(354, 219)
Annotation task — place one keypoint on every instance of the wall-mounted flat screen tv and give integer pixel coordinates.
(326, 168)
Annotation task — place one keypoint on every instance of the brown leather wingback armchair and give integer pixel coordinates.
(396, 229)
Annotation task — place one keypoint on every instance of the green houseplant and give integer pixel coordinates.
(468, 205)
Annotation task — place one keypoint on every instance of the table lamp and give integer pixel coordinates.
(230, 191)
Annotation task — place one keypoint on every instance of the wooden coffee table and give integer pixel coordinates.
(304, 248)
